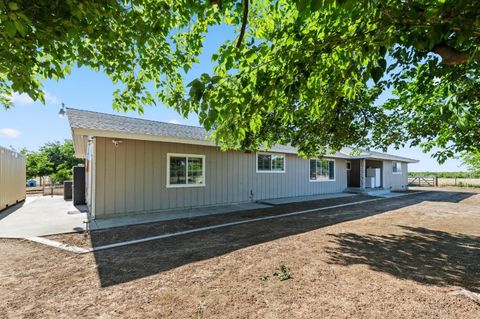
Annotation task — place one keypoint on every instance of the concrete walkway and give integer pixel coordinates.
(297, 199)
(171, 214)
(41, 216)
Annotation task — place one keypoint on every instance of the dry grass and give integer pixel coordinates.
(396, 258)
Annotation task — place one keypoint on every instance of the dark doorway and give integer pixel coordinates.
(353, 174)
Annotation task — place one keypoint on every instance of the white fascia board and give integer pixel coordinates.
(395, 159)
(80, 150)
(79, 145)
(155, 138)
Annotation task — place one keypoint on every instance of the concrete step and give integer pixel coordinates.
(368, 191)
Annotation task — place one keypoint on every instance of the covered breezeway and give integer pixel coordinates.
(361, 171)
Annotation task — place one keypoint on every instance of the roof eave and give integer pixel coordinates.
(80, 136)
(79, 144)
(147, 137)
(395, 159)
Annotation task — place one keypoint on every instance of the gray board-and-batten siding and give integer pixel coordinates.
(131, 178)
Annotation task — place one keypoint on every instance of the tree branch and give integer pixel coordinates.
(218, 3)
(452, 56)
(244, 23)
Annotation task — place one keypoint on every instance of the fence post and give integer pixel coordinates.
(436, 181)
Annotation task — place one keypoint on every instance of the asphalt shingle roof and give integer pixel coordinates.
(81, 119)
(89, 120)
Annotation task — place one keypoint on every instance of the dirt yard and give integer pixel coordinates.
(395, 258)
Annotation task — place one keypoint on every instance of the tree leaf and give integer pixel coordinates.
(13, 6)
(316, 5)
(20, 28)
(302, 5)
(382, 63)
(376, 73)
(10, 29)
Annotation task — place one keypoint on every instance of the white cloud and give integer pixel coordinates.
(51, 99)
(24, 99)
(9, 132)
(173, 121)
(21, 99)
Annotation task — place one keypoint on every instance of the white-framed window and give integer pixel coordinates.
(396, 167)
(322, 170)
(349, 165)
(270, 163)
(185, 170)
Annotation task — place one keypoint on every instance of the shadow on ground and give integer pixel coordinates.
(128, 263)
(420, 254)
(11, 209)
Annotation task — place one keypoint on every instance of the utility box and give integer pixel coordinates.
(376, 175)
(78, 185)
(67, 190)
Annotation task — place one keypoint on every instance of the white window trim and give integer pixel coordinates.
(323, 180)
(349, 169)
(271, 171)
(187, 156)
(401, 170)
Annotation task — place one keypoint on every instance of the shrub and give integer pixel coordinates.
(282, 273)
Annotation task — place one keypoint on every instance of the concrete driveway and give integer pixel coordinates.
(41, 216)
(47, 215)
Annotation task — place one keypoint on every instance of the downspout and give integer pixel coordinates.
(94, 179)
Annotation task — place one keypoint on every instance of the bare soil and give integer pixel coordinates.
(120, 234)
(395, 258)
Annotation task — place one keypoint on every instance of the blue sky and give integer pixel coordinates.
(30, 124)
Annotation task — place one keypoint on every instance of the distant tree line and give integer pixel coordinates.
(53, 159)
(446, 174)
(470, 159)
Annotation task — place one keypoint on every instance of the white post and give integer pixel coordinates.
(362, 173)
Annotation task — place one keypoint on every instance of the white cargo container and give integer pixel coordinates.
(12, 178)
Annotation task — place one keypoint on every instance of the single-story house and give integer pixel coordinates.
(141, 166)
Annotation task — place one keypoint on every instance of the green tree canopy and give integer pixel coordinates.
(472, 161)
(53, 159)
(307, 72)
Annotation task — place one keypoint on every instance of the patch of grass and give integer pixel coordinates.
(282, 273)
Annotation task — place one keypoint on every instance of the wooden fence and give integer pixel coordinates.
(461, 182)
(45, 190)
(433, 181)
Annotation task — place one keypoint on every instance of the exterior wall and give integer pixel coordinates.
(132, 178)
(12, 178)
(395, 181)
